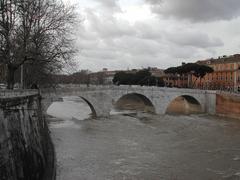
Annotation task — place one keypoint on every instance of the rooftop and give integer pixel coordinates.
(221, 60)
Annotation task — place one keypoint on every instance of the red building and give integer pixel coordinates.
(226, 75)
(177, 80)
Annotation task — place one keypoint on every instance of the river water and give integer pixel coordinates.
(138, 146)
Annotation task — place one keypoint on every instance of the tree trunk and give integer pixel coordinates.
(10, 76)
(201, 87)
(194, 82)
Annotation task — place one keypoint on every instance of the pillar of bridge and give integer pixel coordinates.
(99, 102)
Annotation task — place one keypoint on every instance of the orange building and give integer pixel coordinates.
(177, 80)
(173, 80)
(226, 75)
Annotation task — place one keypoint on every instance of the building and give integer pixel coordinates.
(226, 75)
(157, 72)
(103, 77)
(177, 80)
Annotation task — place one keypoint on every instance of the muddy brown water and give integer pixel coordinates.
(139, 146)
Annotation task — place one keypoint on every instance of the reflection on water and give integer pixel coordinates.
(139, 146)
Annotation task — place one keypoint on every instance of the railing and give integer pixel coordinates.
(228, 93)
(66, 88)
(17, 93)
(83, 88)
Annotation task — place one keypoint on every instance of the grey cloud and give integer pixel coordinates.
(106, 41)
(108, 26)
(109, 3)
(99, 54)
(108, 6)
(197, 10)
(192, 38)
(147, 31)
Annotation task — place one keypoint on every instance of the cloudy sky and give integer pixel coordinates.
(122, 34)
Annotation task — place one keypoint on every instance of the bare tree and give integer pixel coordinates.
(35, 32)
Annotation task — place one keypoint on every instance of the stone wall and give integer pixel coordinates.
(25, 144)
(228, 105)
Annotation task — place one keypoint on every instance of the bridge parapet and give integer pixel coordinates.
(84, 88)
(154, 88)
(4, 94)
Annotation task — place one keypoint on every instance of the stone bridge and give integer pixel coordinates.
(101, 99)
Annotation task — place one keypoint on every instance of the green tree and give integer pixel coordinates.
(197, 70)
(121, 78)
(142, 77)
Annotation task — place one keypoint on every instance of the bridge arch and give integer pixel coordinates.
(134, 100)
(94, 114)
(99, 102)
(46, 103)
(184, 104)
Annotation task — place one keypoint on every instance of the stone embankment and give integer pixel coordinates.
(26, 149)
(228, 105)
